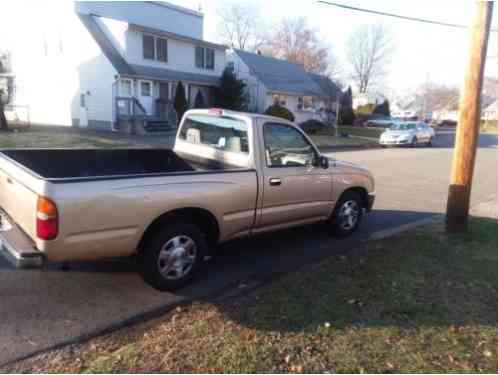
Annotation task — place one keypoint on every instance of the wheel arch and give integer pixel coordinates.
(360, 190)
(201, 217)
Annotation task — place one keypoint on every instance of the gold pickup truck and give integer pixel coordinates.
(229, 175)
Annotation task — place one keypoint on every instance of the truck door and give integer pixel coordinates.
(294, 189)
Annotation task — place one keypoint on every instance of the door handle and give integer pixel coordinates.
(275, 181)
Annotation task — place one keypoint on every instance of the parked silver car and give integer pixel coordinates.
(408, 134)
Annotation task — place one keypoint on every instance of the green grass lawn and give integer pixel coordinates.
(420, 302)
(322, 140)
(48, 138)
(361, 131)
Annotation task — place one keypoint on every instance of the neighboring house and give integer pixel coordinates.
(120, 63)
(490, 113)
(270, 80)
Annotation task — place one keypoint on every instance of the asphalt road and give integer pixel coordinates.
(40, 309)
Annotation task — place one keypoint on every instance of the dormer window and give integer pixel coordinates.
(155, 48)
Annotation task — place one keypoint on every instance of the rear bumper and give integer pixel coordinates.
(17, 247)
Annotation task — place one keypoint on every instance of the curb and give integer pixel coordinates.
(403, 228)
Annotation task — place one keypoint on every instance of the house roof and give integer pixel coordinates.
(493, 107)
(139, 71)
(170, 35)
(328, 87)
(108, 49)
(149, 72)
(280, 75)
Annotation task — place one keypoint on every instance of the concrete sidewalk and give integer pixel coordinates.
(488, 209)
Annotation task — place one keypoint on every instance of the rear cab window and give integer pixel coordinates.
(219, 132)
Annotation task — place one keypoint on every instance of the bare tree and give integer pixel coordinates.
(240, 26)
(369, 50)
(295, 41)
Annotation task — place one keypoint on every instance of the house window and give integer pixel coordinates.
(162, 49)
(199, 57)
(145, 88)
(148, 47)
(204, 58)
(126, 88)
(210, 58)
(82, 101)
(280, 99)
(305, 103)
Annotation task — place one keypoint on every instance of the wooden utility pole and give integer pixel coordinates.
(468, 123)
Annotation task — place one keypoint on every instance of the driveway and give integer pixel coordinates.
(42, 309)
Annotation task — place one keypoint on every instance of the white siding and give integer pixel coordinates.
(181, 55)
(168, 18)
(255, 88)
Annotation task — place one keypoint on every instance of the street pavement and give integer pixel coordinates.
(43, 309)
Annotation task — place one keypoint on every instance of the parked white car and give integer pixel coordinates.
(409, 134)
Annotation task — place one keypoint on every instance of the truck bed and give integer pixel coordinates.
(55, 164)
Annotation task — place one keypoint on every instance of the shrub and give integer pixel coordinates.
(279, 111)
(312, 126)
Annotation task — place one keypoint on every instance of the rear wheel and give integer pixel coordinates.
(414, 142)
(429, 142)
(347, 214)
(171, 257)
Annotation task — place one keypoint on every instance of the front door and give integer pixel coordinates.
(294, 188)
(164, 91)
(146, 96)
(83, 110)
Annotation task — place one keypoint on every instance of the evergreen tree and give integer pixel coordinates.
(180, 101)
(199, 100)
(383, 109)
(347, 115)
(231, 93)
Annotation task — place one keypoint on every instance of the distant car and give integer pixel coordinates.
(448, 123)
(408, 134)
(381, 122)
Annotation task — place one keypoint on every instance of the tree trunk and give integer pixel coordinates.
(3, 119)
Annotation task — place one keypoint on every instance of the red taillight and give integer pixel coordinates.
(216, 111)
(47, 221)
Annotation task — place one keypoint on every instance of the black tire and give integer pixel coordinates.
(414, 142)
(429, 143)
(150, 264)
(336, 221)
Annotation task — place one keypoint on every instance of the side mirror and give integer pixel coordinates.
(323, 161)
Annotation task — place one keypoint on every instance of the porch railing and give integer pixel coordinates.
(129, 108)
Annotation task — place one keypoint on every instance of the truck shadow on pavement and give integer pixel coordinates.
(48, 308)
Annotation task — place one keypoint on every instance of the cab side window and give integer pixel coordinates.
(286, 147)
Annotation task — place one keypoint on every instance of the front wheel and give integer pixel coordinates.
(172, 257)
(347, 215)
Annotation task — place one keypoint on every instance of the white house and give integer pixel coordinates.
(269, 80)
(113, 62)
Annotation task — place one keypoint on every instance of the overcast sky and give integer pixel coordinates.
(422, 51)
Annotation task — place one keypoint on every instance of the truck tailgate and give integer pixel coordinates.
(17, 200)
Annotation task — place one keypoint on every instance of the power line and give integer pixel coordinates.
(393, 15)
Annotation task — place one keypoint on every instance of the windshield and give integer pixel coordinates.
(403, 126)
